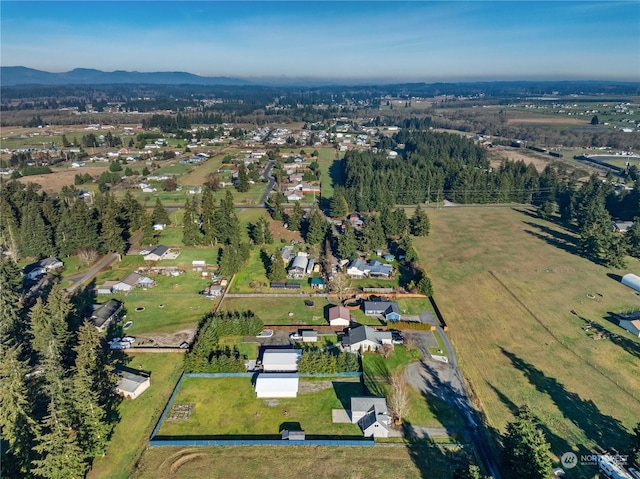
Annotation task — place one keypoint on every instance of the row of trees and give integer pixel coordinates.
(56, 402)
(207, 355)
(325, 362)
(36, 225)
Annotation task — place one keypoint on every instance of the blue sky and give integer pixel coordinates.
(398, 41)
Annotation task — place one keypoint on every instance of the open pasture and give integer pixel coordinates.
(517, 299)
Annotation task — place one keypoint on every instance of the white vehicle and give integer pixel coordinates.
(119, 345)
(265, 333)
(128, 339)
(295, 337)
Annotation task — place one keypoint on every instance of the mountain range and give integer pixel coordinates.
(19, 75)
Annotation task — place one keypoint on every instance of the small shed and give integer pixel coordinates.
(632, 281)
(281, 360)
(309, 336)
(131, 385)
(277, 385)
(339, 316)
(292, 435)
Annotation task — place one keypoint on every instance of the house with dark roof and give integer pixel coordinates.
(106, 314)
(372, 269)
(365, 338)
(388, 309)
(372, 415)
(156, 254)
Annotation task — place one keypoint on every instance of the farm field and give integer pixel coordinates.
(401, 462)
(251, 416)
(138, 417)
(507, 282)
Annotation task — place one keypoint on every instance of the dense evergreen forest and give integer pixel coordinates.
(57, 404)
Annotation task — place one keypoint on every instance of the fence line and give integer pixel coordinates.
(261, 442)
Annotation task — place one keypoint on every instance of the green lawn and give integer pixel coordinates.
(276, 310)
(182, 306)
(138, 417)
(430, 411)
(416, 461)
(250, 350)
(441, 350)
(198, 175)
(506, 283)
(251, 416)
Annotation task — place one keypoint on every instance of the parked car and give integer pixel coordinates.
(119, 345)
(265, 333)
(128, 339)
(295, 337)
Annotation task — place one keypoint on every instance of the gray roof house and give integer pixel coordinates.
(372, 415)
(131, 281)
(106, 314)
(298, 267)
(365, 338)
(33, 270)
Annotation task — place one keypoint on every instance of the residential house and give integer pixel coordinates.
(356, 220)
(280, 360)
(298, 268)
(621, 226)
(388, 309)
(106, 314)
(287, 254)
(339, 316)
(128, 283)
(46, 265)
(277, 385)
(156, 254)
(357, 269)
(212, 291)
(131, 385)
(365, 338)
(159, 227)
(379, 270)
(372, 415)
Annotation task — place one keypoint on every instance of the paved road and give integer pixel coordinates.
(272, 181)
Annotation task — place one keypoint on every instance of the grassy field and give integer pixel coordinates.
(138, 417)
(411, 462)
(198, 175)
(506, 283)
(182, 306)
(250, 416)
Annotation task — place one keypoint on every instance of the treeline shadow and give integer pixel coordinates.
(606, 431)
(563, 241)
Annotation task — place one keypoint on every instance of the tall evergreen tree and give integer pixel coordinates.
(149, 235)
(420, 224)
(295, 218)
(111, 233)
(633, 237)
(133, 212)
(316, 228)
(89, 415)
(266, 232)
(526, 451)
(276, 208)
(209, 229)
(160, 215)
(35, 234)
(17, 423)
(338, 205)
(347, 242)
(372, 234)
(243, 179)
(190, 230)
(13, 329)
(276, 271)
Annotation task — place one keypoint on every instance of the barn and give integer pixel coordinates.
(277, 385)
(280, 360)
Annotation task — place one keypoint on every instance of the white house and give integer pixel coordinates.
(157, 253)
(631, 325)
(366, 339)
(372, 415)
(132, 385)
(41, 267)
(339, 316)
(280, 360)
(277, 385)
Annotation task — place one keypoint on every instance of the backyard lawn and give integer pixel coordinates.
(250, 416)
(516, 299)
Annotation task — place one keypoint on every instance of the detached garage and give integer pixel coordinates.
(632, 281)
(281, 360)
(277, 385)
